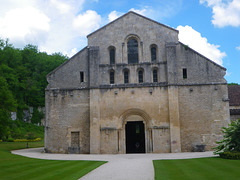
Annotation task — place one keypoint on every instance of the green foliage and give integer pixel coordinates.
(19, 167)
(7, 101)
(25, 72)
(27, 140)
(10, 139)
(233, 84)
(23, 130)
(23, 82)
(7, 104)
(36, 116)
(230, 155)
(231, 140)
(4, 124)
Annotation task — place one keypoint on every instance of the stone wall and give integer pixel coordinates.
(177, 112)
(200, 70)
(203, 112)
(67, 75)
(67, 111)
(146, 31)
(120, 105)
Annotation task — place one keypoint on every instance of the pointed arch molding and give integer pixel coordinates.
(134, 111)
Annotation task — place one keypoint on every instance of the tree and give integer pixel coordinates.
(7, 104)
(231, 138)
(24, 72)
(22, 84)
(232, 84)
(36, 116)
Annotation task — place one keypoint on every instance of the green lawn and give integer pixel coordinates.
(200, 168)
(18, 167)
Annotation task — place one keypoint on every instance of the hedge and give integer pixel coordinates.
(27, 140)
(230, 155)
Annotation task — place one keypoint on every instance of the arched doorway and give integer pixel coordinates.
(135, 137)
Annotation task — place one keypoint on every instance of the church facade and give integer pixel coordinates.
(135, 89)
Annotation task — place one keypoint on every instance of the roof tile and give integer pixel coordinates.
(234, 95)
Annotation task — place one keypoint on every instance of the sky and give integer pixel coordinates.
(211, 27)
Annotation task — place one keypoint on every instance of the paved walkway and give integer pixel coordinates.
(119, 166)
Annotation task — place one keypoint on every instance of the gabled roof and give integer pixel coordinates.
(53, 71)
(234, 95)
(131, 12)
(203, 56)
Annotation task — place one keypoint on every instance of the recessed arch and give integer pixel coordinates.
(132, 36)
(142, 119)
(134, 111)
(133, 48)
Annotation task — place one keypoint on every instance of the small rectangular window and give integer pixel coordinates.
(184, 73)
(126, 77)
(111, 77)
(112, 56)
(153, 54)
(140, 76)
(81, 76)
(155, 76)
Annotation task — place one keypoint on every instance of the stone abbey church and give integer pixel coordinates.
(135, 89)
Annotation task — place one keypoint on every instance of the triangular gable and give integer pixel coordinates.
(131, 12)
(203, 56)
(69, 60)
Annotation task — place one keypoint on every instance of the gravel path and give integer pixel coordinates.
(119, 166)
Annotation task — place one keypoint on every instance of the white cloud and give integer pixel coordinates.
(228, 73)
(193, 39)
(87, 22)
(60, 25)
(238, 48)
(72, 52)
(53, 25)
(62, 7)
(225, 13)
(22, 22)
(139, 11)
(114, 15)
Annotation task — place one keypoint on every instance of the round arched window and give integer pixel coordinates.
(132, 46)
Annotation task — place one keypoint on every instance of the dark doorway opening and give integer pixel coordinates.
(135, 137)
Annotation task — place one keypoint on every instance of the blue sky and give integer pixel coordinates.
(211, 27)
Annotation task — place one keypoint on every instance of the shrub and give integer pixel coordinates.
(27, 140)
(1, 141)
(231, 140)
(31, 136)
(10, 139)
(230, 155)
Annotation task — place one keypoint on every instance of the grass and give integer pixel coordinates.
(200, 168)
(19, 167)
